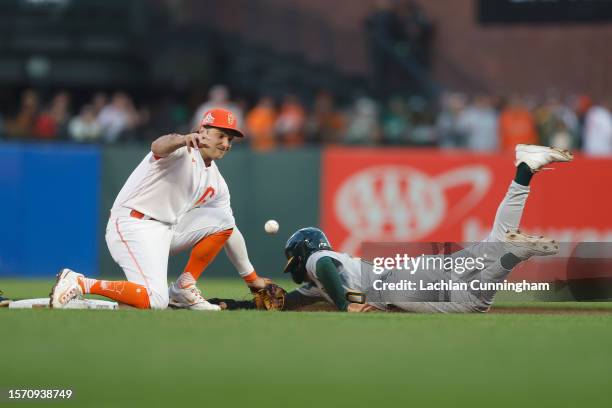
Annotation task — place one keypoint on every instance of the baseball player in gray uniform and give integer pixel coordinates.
(347, 282)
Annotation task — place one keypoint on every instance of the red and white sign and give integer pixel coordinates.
(409, 195)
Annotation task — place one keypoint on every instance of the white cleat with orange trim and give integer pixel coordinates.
(189, 298)
(536, 157)
(66, 288)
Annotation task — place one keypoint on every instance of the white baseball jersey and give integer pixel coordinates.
(349, 269)
(166, 188)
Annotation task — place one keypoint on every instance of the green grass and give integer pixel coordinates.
(247, 358)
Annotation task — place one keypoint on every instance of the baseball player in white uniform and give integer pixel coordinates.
(346, 281)
(175, 200)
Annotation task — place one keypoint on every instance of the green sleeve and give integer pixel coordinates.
(328, 274)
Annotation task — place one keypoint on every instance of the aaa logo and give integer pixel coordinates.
(401, 203)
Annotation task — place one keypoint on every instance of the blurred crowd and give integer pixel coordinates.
(456, 121)
(487, 123)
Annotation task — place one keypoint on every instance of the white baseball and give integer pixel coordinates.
(271, 226)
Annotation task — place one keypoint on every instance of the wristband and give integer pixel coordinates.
(251, 277)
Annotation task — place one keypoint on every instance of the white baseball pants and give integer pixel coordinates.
(141, 247)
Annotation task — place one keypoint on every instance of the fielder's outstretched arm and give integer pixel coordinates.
(236, 250)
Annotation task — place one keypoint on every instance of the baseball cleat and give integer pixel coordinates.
(536, 157)
(189, 298)
(66, 288)
(4, 301)
(525, 246)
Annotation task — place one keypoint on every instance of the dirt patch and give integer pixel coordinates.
(550, 310)
(324, 307)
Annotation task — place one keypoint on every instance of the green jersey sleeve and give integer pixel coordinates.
(328, 275)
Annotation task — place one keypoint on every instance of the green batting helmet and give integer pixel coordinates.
(299, 247)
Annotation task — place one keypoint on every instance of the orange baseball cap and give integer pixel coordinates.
(221, 118)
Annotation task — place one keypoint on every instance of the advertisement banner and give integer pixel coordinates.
(410, 195)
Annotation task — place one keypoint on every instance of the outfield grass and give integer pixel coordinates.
(248, 358)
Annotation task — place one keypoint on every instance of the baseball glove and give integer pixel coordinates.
(271, 297)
